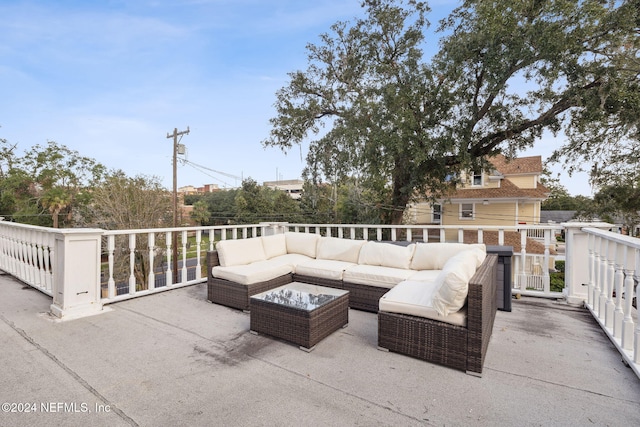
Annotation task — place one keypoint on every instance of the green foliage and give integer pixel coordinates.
(619, 202)
(200, 212)
(556, 281)
(254, 203)
(506, 71)
(560, 266)
(47, 186)
(121, 202)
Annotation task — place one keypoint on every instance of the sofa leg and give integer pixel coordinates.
(474, 374)
(383, 349)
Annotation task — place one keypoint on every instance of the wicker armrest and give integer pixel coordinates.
(212, 261)
(481, 312)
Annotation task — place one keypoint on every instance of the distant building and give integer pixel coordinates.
(509, 193)
(190, 189)
(293, 187)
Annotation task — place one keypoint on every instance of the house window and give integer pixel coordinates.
(466, 211)
(476, 179)
(436, 214)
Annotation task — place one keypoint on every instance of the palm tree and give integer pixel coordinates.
(55, 200)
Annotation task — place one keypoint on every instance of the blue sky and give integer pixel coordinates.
(111, 78)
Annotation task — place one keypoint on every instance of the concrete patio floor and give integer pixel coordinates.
(175, 359)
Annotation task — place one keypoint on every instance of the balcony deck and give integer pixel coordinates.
(175, 359)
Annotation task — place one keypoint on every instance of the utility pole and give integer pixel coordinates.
(174, 243)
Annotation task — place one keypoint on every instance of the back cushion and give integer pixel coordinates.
(338, 249)
(433, 256)
(386, 255)
(455, 278)
(274, 246)
(302, 243)
(240, 252)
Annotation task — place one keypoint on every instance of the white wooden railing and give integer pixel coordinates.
(613, 265)
(27, 252)
(84, 269)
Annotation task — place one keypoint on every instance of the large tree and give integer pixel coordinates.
(46, 186)
(506, 71)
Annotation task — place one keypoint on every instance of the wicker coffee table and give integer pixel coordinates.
(300, 313)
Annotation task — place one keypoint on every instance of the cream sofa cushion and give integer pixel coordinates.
(433, 256)
(454, 280)
(376, 275)
(386, 254)
(290, 259)
(414, 298)
(240, 252)
(424, 275)
(260, 271)
(302, 243)
(324, 268)
(274, 246)
(337, 249)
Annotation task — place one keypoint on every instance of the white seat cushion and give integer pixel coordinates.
(274, 246)
(249, 274)
(302, 243)
(425, 275)
(290, 259)
(454, 278)
(414, 299)
(324, 268)
(337, 249)
(375, 275)
(240, 252)
(386, 255)
(433, 256)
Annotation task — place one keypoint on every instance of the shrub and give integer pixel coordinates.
(556, 281)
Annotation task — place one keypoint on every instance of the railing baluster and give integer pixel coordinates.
(198, 255)
(184, 256)
(523, 260)
(609, 305)
(151, 283)
(169, 273)
(603, 278)
(618, 315)
(111, 283)
(132, 263)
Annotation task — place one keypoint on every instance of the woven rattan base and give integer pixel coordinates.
(301, 327)
(234, 295)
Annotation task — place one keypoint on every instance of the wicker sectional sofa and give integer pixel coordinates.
(435, 301)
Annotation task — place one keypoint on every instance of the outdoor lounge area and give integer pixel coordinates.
(174, 358)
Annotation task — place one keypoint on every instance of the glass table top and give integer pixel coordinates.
(302, 296)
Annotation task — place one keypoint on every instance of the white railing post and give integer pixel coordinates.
(546, 279)
(592, 271)
(579, 281)
(76, 284)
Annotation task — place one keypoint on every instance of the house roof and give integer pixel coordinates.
(507, 190)
(556, 216)
(516, 166)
